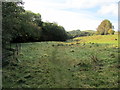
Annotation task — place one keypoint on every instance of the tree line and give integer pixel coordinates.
(19, 25)
(79, 33)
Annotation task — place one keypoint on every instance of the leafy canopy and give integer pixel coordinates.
(104, 27)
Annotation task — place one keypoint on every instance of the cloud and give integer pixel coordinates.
(109, 9)
(70, 3)
(88, 3)
(70, 20)
(57, 11)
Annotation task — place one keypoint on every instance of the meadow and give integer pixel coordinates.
(83, 62)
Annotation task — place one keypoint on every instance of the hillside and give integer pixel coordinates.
(111, 39)
(78, 33)
(90, 31)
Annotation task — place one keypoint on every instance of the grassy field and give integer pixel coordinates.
(110, 39)
(84, 62)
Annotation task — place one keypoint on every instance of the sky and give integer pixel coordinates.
(75, 14)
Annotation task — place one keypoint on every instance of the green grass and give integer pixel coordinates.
(110, 39)
(64, 65)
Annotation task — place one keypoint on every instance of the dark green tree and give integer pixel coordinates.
(30, 29)
(11, 20)
(53, 32)
(10, 26)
